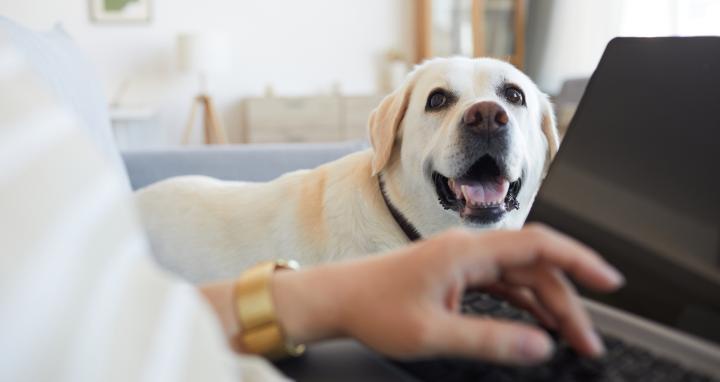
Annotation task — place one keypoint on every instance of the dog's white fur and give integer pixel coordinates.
(208, 229)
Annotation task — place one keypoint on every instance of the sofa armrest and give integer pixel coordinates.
(254, 162)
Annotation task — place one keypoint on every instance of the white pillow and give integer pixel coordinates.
(60, 64)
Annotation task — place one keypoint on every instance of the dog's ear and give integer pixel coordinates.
(549, 128)
(384, 123)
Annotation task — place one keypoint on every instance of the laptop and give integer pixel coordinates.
(637, 178)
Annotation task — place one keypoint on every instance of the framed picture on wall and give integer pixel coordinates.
(120, 11)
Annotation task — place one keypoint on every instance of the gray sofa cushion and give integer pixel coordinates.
(256, 162)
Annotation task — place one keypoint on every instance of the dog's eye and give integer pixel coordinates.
(437, 100)
(514, 96)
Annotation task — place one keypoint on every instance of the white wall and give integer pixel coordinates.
(297, 46)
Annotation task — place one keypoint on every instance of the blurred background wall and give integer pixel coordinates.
(305, 49)
(295, 47)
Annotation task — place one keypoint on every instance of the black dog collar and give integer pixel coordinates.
(410, 231)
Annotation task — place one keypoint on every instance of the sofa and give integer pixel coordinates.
(249, 162)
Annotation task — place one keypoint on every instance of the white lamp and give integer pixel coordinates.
(203, 54)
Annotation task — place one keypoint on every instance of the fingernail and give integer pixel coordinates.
(614, 275)
(598, 348)
(535, 347)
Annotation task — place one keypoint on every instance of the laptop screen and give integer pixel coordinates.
(638, 178)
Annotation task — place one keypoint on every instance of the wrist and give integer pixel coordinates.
(308, 304)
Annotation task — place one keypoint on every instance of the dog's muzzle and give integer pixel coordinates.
(484, 193)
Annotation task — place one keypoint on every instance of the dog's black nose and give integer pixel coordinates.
(485, 117)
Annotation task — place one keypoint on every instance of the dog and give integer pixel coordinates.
(462, 142)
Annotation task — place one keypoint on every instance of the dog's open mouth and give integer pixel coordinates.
(482, 195)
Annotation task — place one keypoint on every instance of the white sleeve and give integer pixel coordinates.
(80, 297)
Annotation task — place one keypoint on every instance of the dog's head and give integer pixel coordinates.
(466, 141)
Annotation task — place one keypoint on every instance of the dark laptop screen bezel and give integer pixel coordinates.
(684, 298)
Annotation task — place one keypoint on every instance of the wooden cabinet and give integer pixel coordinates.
(355, 113)
(307, 119)
(300, 119)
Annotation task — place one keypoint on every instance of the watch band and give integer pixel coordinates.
(255, 310)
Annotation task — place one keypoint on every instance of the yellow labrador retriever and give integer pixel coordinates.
(461, 142)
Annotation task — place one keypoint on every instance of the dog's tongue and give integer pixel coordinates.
(484, 193)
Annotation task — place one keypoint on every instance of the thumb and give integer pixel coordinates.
(493, 340)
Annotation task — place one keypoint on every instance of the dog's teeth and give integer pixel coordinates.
(456, 189)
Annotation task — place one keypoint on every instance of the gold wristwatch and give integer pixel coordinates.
(255, 310)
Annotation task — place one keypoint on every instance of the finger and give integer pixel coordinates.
(491, 340)
(541, 244)
(558, 296)
(524, 298)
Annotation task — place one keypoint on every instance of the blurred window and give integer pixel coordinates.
(670, 17)
(698, 17)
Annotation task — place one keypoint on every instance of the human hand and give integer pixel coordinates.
(406, 303)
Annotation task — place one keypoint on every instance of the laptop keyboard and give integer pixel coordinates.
(622, 362)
